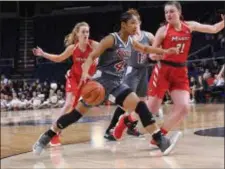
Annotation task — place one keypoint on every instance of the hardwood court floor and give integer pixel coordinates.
(92, 151)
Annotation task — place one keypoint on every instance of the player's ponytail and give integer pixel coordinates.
(135, 13)
(71, 38)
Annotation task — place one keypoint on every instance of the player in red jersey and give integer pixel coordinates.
(79, 46)
(171, 72)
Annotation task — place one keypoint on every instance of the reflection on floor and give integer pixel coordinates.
(92, 151)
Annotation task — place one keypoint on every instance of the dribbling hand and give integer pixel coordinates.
(38, 51)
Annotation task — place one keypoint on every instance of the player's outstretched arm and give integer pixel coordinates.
(205, 28)
(53, 57)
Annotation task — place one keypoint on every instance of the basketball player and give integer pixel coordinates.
(136, 78)
(114, 49)
(171, 73)
(78, 45)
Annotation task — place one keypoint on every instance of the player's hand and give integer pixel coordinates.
(173, 50)
(156, 57)
(84, 78)
(223, 16)
(38, 51)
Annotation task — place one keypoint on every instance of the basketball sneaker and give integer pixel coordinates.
(132, 129)
(41, 143)
(55, 141)
(167, 145)
(153, 142)
(109, 136)
(121, 126)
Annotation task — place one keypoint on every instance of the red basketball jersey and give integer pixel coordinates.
(180, 39)
(79, 57)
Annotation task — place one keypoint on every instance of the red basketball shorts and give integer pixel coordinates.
(167, 78)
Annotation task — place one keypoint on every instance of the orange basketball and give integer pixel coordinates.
(93, 93)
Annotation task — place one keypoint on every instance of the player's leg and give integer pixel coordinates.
(72, 90)
(132, 80)
(68, 106)
(63, 121)
(131, 102)
(157, 86)
(179, 92)
(108, 133)
(179, 109)
(142, 75)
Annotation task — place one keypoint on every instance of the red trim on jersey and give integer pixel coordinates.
(186, 25)
(167, 28)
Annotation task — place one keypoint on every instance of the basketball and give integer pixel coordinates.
(93, 93)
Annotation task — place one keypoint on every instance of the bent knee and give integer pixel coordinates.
(186, 108)
(183, 108)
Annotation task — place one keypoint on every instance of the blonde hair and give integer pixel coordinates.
(71, 38)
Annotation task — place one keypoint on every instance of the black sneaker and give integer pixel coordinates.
(109, 136)
(132, 129)
(41, 144)
(167, 145)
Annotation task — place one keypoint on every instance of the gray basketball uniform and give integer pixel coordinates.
(112, 66)
(137, 73)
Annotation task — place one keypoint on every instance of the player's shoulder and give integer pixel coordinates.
(110, 39)
(93, 44)
(188, 24)
(71, 47)
(147, 33)
(163, 28)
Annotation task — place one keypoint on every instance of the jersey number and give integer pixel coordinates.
(141, 58)
(181, 46)
(120, 66)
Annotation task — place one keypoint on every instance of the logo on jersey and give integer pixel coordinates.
(121, 53)
(178, 38)
(80, 59)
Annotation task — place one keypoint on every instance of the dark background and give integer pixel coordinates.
(46, 24)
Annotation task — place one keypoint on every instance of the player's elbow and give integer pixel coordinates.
(59, 59)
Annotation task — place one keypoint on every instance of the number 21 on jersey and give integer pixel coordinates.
(181, 46)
